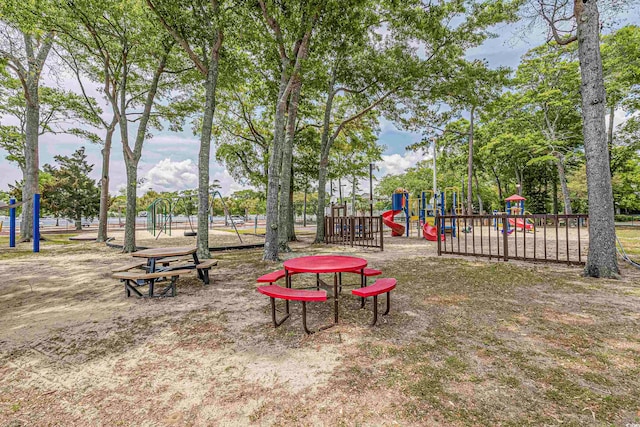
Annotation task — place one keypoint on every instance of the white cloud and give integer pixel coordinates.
(398, 163)
(168, 175)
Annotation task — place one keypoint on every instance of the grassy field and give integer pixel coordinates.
(467, 343)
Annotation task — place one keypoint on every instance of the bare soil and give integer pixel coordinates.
(467, 342)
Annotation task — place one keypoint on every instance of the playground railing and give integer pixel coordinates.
(529, 237)
(360, 231)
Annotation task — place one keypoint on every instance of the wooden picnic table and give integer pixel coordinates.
(155, 256)
(319, 264)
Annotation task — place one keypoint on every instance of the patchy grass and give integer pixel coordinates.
(466, 343)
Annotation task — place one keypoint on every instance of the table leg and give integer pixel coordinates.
(196, 261)
(335, 297)
(287, 283)
(363, 283)
(151, 265)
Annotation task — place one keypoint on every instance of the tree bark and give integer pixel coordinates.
(104, 183)
(32, 162)
(601, 259)
(204, 157)
(286, 175)
(323, 164)
(132, 157)
(562, 177)
(292, 212)
(470, 166)
(30, 78)
(130, 208)
(275, 164)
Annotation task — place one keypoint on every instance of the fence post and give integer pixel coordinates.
(381, 227)
(505, 237)
(352, 229)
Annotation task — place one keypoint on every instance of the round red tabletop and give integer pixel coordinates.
(324, 264)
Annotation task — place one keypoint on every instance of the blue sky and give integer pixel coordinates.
(169, 160)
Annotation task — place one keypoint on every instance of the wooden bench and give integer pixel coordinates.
(380, 286)
(278, 292)
(204, 268)
(132, 280)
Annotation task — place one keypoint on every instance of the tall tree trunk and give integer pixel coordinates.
(104, 184)
(285, 225)
(132, 157)
(323, 164)
(292, 212)
(275, 164)
(562, 177)
(470, 165)
(602, 259)
(204, 157)
(32, 162)
(130, 208)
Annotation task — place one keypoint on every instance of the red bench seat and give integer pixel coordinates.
(303, 295)
(380, 286)
(274, 276)
(275, 291)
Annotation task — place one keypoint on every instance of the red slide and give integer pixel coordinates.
(431, 233)
(520, 224)
(387, 219)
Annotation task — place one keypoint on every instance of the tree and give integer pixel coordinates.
(198, 28)
(132, 57)
(472, 86)
(585, 30)
(290, 29)
(548, 85)
(70, 192)
(25, 46)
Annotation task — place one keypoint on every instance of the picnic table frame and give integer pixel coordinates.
(321, 264)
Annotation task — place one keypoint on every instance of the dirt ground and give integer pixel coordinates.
(467, 342)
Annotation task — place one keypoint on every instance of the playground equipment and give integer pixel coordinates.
(12, 221)
(424, 206)
(399, 203)
(162, 211)
(516, 209)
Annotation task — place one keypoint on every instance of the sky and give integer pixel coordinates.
(169, 160)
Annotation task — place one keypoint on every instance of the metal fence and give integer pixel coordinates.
(532, 237)
(362, 231)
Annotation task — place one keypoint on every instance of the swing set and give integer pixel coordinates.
(162, 213)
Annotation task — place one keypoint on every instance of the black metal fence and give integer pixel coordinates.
(532, 237)
(362, 231)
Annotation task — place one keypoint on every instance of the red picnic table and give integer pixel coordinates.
(319, 264)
